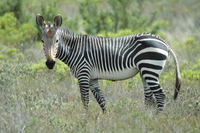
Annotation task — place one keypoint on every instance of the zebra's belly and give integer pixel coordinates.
(114, 75)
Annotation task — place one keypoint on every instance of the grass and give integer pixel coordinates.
(45, 101)
(42, 102)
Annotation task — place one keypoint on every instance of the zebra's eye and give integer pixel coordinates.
(56, 41)
(42, 41)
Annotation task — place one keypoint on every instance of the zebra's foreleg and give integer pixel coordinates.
(84, 90)
(94, 87)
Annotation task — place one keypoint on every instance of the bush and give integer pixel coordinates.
(61, 69)
(14, 36)
(119, 15)
(11, 6)
(93, 21)
(188, 49)
(11, 54)
(192, 73)
(188, 72)
(11, 34)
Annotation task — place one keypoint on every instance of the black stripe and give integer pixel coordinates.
(155, 88)
(150, 78)
(150, 73)
(150, 56)
(155, 44)
(147, 65)
(103, 61)
(120, 62)
(152, 83)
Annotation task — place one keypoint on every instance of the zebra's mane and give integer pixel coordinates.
(67, 30)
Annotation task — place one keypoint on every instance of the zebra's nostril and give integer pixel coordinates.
(50, 64)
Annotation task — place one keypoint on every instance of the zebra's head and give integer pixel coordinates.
(49, 38)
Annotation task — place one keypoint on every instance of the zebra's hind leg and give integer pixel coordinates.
(155, 87)
(148, 94)
(94, 87)
(160, 96)
(152, 86)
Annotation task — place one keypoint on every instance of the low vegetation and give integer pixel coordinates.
(35, 99)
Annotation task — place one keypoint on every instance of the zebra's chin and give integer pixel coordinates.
(50, 64)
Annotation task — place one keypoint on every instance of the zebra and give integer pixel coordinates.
(92, 58)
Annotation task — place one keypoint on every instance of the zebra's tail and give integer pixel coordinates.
(178, 75)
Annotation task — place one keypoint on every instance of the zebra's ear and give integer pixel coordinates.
(40, 21)
(57, 21)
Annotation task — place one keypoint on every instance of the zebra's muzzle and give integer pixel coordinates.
(50, 64)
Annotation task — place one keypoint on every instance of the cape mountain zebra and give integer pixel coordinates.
(92, 57)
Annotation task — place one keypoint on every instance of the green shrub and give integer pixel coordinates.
(11, 72)
(61, 69)
(188, 72)
(118, 15)
(93, 21)
(188, 49)
(11, 54)
(197, 65)
(14, 36)
(123, 32)
(191, 75)
(39, 66)
(11, 6)
(11, 34)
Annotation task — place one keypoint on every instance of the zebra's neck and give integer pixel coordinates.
(70, 46)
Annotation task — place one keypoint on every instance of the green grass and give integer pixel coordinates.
(42, 102)
(34, 99)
